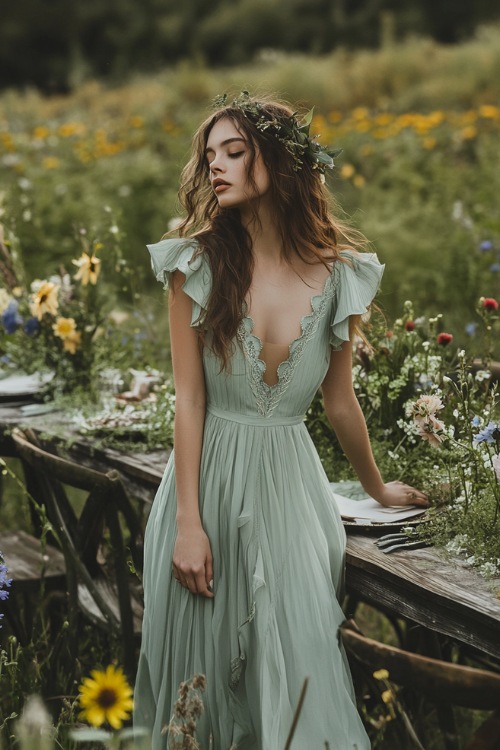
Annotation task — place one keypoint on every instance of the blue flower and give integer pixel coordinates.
(495, 268)
(486, 246)
(11, 318)
(470, 329)
(31, 326)
(489, 434)
(4, 582)
(475, 421)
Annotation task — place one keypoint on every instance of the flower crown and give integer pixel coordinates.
(291, 132)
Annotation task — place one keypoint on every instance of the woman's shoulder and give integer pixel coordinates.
(176, 254)
(358, 277)
(358, 260)
(184, 254)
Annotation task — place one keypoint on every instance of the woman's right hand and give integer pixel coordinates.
(192, 561)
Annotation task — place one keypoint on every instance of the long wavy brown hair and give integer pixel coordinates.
(303, 210)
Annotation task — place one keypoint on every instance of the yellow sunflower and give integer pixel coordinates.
(106, 697)
(89, 268)
(64, 327)
(45, 300)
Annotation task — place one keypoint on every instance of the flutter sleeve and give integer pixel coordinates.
(183, 255)
(358, 279)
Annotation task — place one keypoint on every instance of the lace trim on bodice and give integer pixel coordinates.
(268, 396)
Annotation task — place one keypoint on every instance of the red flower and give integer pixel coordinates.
(490, 304)
(389, 334)
(410, 325)
(444, 339)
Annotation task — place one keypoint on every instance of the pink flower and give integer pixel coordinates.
(432, 431)
(490, 304)
(425, 407)
(496, 465)
(443, 339)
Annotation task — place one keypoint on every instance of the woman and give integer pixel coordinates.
(245, 546)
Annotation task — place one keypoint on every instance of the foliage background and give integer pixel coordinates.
(54, 45)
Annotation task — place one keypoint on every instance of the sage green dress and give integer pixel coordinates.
(276, 536)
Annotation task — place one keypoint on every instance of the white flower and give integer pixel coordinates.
(495, 461)
(5, 299)
(489, 570)
(482, 375)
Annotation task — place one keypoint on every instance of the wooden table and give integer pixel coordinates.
(421, 585)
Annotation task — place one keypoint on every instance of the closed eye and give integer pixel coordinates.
(236, 154)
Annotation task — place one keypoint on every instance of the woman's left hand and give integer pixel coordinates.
(399, 493)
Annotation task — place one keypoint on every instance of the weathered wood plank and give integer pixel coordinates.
(438, 680)
(426, 587)
(28, 561)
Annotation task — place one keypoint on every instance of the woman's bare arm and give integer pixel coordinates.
(346, 417)
(192, 560)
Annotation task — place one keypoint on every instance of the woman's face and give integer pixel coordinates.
(228, 156)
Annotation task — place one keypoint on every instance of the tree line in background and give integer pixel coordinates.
(56, 44)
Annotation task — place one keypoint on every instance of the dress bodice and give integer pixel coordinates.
(241, 389)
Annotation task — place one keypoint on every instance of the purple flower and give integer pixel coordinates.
(31, 326)
(486, 246)
(4, 582)
(11, 318)
(489, 434)
(495, 267)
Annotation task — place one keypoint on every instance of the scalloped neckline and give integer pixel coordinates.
(307, 318)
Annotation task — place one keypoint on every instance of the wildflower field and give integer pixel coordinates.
(418, 125)
(87, 179)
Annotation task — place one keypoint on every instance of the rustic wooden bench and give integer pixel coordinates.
(37, 569)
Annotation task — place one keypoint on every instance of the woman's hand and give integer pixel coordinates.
(399, 493)
(192, 561)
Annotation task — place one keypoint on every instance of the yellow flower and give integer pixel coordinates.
(381, 674)
(89, 268)
(387, 696)
(106, 697)
(136, 121)
(469, 133)
(50, 162)
(335, 116)
(358, 181)
(45, 300)
(64, 327)
(384, 118)
(360, 113)
(347, 171)
(68, 129)
(72, 342)
(40, 132)
(489, 112)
